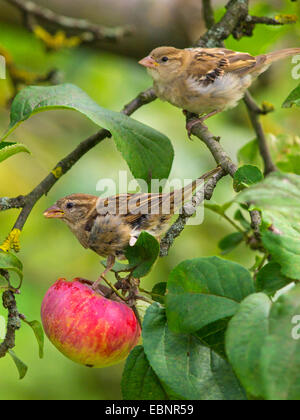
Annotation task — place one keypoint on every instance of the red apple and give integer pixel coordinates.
(86, 327)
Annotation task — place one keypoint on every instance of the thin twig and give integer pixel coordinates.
(188, 211)
(91, 31)
(256, 223)
(266, 21)
(254, 113)
(113, 288)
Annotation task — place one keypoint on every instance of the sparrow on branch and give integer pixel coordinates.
(109, 225)
(206, 81)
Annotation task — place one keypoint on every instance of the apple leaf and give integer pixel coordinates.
(139, 381)
(191, 370)
(22, 368)
(280, 356)
(244, 340)
(230, 242)
(278, 198)
(158, 292)
(263, 345)
(9, 149)
(270, 279)
(148, 153)
(245, 176)
(205, 290)
(39, 335)
(10, 262)
(293, 98)
(143, 254)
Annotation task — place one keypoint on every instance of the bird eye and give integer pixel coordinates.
(164, 59)
(70, 205)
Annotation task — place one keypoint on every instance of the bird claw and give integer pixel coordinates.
(192, 123)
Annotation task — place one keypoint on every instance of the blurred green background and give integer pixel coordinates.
(49, 250)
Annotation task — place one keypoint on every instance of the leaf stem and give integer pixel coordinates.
(116, 291)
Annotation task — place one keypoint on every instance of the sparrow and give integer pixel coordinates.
(206, 81)
(109, 225)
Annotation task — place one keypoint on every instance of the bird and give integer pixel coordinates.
(109, 225)
(206, 81)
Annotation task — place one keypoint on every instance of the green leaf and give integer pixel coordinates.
(143, 254)
(249, 154)
(10, 262)
(159, 291)
(230, 242)
(268, 364)
(278, 197)
(148, 153)
(238, 216)
(279, 193)
(293, 98)
(213, 336)
(270, 279)
(216, 208)
(280, 356)
(284, 151)
(9, 149)
(119, 267)
(39, 335)
(139, 381)
(244, 340)
(22, 368)
(142, 307)
(204, 290)
(290, 164)
(191, 370)
(245, 176)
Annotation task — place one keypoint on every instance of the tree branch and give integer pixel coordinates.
(237, 11)
(214, 146)
(254, 111)
(7, 203)
(91, 31)
(188, 210)
(263, 20)
(13, 323)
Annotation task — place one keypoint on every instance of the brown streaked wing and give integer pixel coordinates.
(239, 62)
(210, 63)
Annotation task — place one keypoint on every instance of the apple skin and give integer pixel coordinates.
(86, 327)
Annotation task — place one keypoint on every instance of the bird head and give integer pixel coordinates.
(72, 209)
(164, 63)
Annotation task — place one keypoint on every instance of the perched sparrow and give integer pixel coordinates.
(109, 225)
(206, 81)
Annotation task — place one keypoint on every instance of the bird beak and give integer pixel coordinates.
(54, 212)
(149, 62)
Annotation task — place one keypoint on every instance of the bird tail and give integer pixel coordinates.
(264, 61)
(186, 193)
(279, 55)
